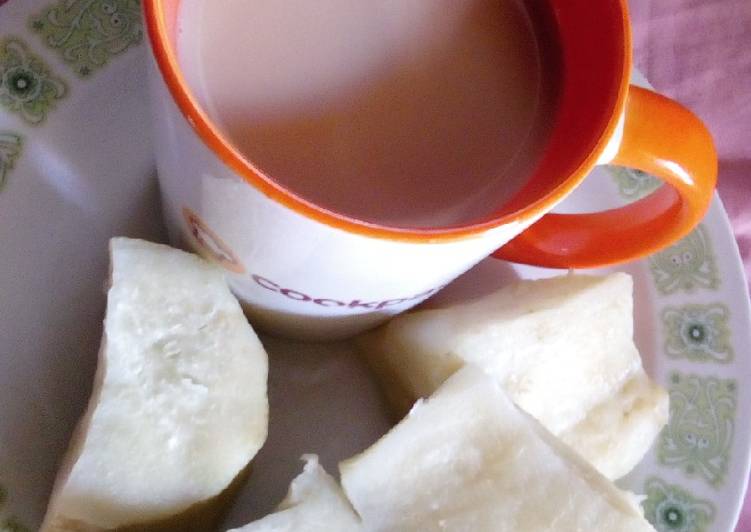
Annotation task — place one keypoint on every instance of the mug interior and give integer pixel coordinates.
(594, 58)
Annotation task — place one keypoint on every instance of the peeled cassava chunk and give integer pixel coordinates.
(467, 459)
(314, 503)
(562, 349)
(178, 408)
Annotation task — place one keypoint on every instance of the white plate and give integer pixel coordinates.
(77, 168)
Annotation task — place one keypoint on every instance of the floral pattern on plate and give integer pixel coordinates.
(700, 430)
(633, 184)
(698, 332)
(687, 266)
(27, 86)
(670, 508)
(88, 33)
(11, 145)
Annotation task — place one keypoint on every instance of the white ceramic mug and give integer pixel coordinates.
(303, 271)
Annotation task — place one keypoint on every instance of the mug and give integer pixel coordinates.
(303, 271)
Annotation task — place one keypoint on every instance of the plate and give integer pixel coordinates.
(76, 168)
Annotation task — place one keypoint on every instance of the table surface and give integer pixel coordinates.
(696, 51)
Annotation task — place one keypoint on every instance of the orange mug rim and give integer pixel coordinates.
(166, 60)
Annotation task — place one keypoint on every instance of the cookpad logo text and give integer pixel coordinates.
(356, 304)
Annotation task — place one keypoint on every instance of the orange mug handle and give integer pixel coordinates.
(662, 138)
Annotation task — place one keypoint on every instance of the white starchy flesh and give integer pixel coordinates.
(314, 503)
(562, 348)
(467, 459)
(179, 407)
(617, 433)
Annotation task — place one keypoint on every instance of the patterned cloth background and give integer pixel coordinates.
(699, 52)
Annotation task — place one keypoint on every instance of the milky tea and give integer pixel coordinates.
(407, 113)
